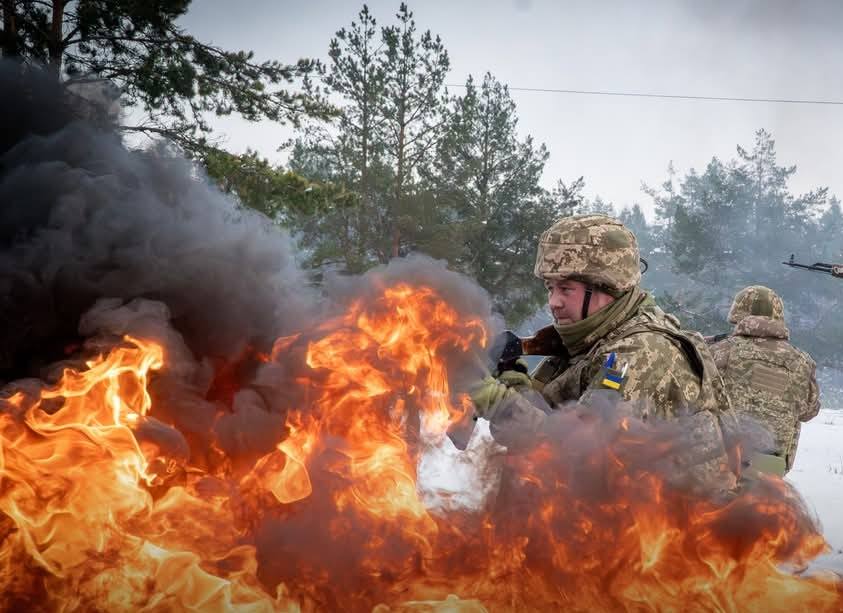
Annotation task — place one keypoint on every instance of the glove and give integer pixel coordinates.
(490, 392)
(487, 396)
(515, 378)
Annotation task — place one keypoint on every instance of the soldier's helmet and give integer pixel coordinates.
(594, 249)
(756, 300)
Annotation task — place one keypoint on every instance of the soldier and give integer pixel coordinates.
(767, 378)
(590, 266)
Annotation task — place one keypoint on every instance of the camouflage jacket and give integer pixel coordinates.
(669, 369)
(769, 380)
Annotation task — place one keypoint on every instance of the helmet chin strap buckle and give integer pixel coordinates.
(586, 301)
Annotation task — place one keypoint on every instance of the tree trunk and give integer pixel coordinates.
(363, 209)
(399, 188)
(55, 44)
(9, 42)
(345, 239)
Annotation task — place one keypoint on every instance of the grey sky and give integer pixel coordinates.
(749, 48)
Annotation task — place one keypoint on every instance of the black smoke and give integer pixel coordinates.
(98, 241)
(82, 217)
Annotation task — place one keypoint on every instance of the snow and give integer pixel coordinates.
(818, 472)
(451, 479)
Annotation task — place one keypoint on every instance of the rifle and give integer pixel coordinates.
(504, 353)
(835, 270)
(716, 338)
(508, 347)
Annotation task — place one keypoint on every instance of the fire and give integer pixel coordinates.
(96, 515)
(81, 529)
(381, 363)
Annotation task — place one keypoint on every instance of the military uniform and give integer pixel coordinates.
(767, 378)
(668, 370)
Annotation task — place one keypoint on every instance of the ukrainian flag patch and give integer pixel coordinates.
(612, 381)
(610, 377)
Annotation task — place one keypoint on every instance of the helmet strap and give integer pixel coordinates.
(586, 301)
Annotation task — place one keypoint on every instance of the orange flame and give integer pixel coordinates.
(333, 519)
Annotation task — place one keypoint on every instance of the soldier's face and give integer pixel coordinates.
(565, 299)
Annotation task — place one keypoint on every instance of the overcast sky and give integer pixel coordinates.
(749, 49)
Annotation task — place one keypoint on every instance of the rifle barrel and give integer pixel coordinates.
(835, 270)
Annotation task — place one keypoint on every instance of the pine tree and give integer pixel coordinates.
(633, 218)
(598, 206)
(357, 76)
(389, 83)
(733, 226)
(282, 195)
(568, 197)
(350, 152)
(490, 178)
(414, 69)
(770, 205)
(158, 67)
(829, 239)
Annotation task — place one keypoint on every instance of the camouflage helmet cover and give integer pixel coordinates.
(756, 300)
(594, 249)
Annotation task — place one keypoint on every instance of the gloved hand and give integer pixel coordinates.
(487, 395)
(517, 378)
(490, 392)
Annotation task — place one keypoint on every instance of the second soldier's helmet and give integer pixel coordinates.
(595, 249)
(756, 300)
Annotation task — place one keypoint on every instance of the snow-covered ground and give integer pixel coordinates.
(818, 472)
